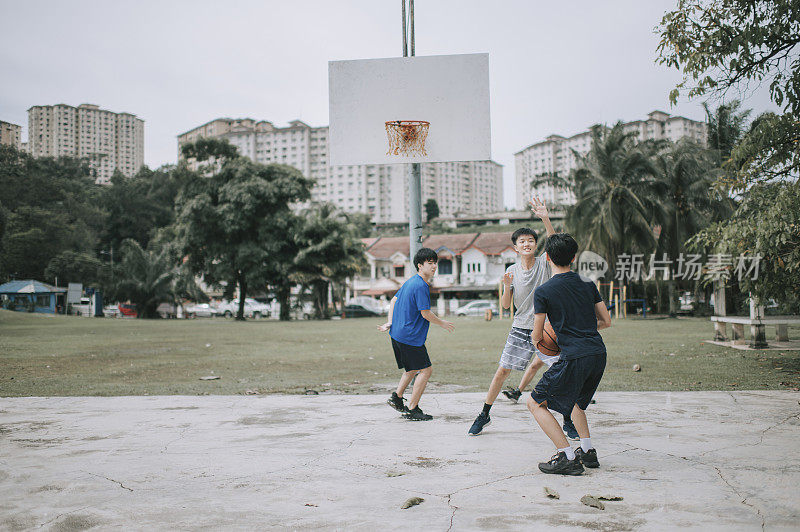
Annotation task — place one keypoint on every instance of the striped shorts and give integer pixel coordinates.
(519, 350)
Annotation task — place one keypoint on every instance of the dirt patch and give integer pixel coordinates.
(18, 522)
(422, 461)
(40, 442)
(74, 522)
(181, 408)
(273, 418)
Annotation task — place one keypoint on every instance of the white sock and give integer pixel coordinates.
(586, 444)
(569, 452)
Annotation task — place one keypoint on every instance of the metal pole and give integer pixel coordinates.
(405, 31)
(414, 180)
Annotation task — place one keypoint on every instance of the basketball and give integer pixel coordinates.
(548, 345)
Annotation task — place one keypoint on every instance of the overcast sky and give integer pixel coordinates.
(555, 67)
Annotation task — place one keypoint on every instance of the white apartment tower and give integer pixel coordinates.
(10, 134)
(110, 141)
(379, 190)
(555, 153)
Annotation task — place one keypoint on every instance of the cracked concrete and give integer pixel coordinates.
(713, 460)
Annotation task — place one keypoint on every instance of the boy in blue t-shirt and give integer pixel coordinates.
(409, 317)
(576, 311)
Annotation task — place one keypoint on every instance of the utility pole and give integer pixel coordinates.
(415, 176)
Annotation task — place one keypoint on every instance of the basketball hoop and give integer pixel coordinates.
(407, 137)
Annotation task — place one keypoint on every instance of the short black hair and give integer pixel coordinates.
(561, 248)
(523, 231)
(424, 255)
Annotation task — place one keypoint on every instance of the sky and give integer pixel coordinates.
(555, 67)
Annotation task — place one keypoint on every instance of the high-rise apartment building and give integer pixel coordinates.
(379, 190)
(10, 134)
(555, 154)
(108, 140)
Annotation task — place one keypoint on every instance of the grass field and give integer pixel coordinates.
(43, 355)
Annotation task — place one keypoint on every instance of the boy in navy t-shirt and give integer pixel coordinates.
(576, 311)
(409, 317)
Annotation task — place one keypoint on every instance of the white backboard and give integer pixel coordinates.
(449, 91)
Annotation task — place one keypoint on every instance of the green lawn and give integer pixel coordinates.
(63, 355)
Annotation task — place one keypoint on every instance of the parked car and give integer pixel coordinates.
(111, 311)
(359, 311)
(200, 310)
(476, 308)
(127, 310)
(252, 308)
(381, 307)
(84, 308)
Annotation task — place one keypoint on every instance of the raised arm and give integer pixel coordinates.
(388, 325)
(540, 210)
(436, 320)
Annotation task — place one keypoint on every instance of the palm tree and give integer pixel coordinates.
(726, 126)
(687, 171)
(328, 251)
(617, 189)
(147, 277)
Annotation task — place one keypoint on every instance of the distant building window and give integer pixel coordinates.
(399, 271)
(445, 266)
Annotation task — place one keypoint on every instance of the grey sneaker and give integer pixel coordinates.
(569, 428)
(396, 402)
(417, 415)
(513, 394)
(559, 464)
(481, 421)
(588, 458)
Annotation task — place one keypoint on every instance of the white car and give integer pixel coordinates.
(476, 308)
(252, 308)
(200, 310)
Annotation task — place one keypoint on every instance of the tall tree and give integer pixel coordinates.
(431, 210)
(723, 45)
(147, 277)
(232, 224)
(328, 252)
(687, 172)
(617, 189)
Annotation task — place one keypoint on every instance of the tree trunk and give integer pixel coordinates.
(320, 299)
(673, 303)
(242, 295)
(284, 293)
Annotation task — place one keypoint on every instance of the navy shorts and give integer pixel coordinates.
(410, 357)
(570, 382)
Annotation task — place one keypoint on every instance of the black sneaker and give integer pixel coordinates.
(588, 458)
(396, 402)
(417, 415)
(559, 464)
(481, 421)
(569, 428)
(513, 394)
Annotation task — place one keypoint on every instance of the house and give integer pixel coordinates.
(470, 266)
(35, 295)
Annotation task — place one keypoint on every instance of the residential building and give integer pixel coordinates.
(109, 141)
(556, 154)
(10, 134)
(379, 190)
(470, 266)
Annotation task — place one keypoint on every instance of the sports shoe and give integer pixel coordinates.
(396, 402)
(417, 415)
(481, 421)
(559, 464)
(588, 458)
(569, 428)
(513, 394)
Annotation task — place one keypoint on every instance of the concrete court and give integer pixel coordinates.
(701, 460)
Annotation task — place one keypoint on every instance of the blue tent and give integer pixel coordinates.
(24, 295)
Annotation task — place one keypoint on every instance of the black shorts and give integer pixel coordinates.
(410, 357)
(570, 382)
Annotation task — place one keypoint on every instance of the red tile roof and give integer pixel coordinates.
(387, 246)
(454, 242)
(493, 243)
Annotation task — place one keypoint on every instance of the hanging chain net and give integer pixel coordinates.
(407, 137)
